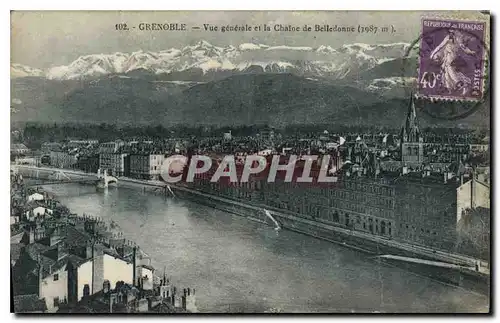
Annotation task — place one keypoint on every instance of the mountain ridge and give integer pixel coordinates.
(277, 99)
(323, 60)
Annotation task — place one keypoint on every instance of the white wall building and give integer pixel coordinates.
(36, 211)
(35, 197)
(54, 288)
(117, 269)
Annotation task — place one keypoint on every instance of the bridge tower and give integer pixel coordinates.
(104, 178)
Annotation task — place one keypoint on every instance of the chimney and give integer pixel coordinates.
(86, 290)
(106, 286)
(40, 276)
(445, 174)
(134, 273)
(183, 300)
(473, 192)
(112, 300)
(31, 235)
(93, 267)
(61, 251)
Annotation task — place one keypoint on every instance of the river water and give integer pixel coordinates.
(237, 265)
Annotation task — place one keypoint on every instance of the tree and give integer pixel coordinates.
(474, 232)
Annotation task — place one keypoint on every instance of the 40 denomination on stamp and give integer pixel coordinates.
(452, 60)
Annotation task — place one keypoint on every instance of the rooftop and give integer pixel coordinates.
(29, 303)
(18, 147)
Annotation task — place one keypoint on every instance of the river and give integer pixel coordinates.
(237, 265)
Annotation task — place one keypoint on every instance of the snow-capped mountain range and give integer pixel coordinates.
(324, 61)
(18, 70)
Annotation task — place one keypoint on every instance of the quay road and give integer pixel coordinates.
(464, 261)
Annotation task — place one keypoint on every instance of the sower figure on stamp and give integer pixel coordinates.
(446, 53)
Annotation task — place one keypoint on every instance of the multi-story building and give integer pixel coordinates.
(146, 165)
(112, 157)
(445, 153)
(414, 208)
(18, 149)
(88, 162)
(47, 147)
(63, 159)
(415, 203)
(480, 147)
(82, 143)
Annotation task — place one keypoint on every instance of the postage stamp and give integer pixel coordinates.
(452, 60)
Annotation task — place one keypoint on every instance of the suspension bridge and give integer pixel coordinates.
(49, 176)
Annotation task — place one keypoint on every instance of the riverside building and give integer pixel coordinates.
(413, 204)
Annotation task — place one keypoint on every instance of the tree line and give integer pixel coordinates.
(34, 134)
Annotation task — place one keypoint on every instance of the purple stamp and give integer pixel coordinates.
(452, 59)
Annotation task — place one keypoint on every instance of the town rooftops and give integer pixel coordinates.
(74, 237)
(29, 304)
(432, 179)
(15, 251)
(116, 254)
(36, 249)
(92, 304)
(126, 288)
(165, 307)
(43, 255)
(75, 260)
(18, 147)
(17, 235)
(147, 267)
(36, 194)
(31, 205)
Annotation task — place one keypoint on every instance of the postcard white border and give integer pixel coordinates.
(198, 5)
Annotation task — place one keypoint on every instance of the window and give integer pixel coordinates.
(56, 301)
(56, 277)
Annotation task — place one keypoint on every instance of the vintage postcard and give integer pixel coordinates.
(250, 162)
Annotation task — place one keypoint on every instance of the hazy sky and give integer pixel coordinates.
(49, 38)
